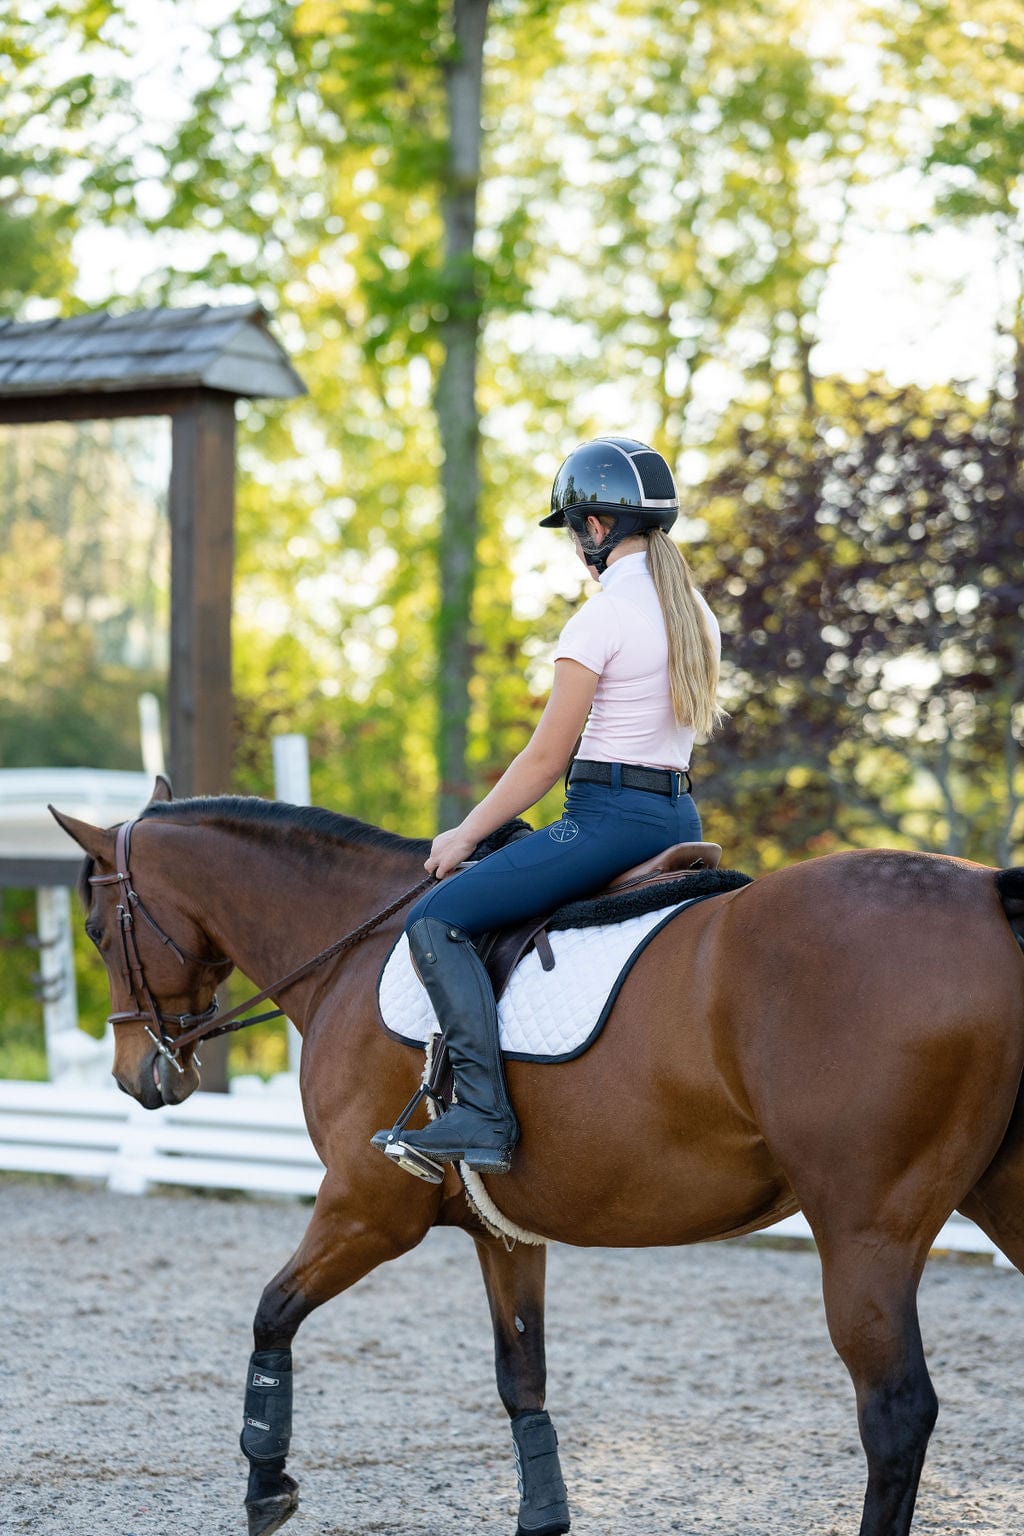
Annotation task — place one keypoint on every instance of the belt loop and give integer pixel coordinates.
(616, 779)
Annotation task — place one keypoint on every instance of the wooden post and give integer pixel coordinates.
(202, 503)
(202, 554)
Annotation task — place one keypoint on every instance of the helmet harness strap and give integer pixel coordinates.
(597, 555)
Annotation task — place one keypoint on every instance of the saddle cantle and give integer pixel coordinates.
(678, 859)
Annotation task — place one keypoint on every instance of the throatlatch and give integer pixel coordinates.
(267, 1416)
(543, 1503)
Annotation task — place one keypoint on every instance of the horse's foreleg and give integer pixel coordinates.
(870, 1290)
(515, 1294)
(341, 1244)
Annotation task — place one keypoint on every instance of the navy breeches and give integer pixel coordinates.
(604, 829)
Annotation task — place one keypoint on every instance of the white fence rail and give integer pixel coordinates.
(958, 1236)
(256, 1143)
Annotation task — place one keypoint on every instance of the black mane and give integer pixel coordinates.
(312, 820)
(83, 889)
(276, 815)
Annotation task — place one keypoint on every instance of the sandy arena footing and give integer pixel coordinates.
(694, 1390)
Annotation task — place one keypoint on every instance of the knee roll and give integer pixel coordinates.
(267, 1415)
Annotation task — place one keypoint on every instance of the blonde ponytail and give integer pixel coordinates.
(692, 654)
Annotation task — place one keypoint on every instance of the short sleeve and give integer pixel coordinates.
(591, 636)
(712, 624)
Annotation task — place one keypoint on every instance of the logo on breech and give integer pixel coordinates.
(563, 831)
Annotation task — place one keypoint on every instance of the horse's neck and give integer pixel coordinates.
(269, 907)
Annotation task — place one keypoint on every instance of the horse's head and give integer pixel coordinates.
(158, 986)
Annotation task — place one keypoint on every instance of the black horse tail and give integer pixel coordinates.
(1010, 885)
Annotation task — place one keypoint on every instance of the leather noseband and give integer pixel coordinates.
(147, 1011)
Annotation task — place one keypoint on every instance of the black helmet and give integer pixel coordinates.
(614, 475)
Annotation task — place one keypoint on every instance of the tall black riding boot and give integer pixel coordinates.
(481, 1128)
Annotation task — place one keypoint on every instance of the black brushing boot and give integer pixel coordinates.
(272, 1496)
(543, 1505)
(481, 1129)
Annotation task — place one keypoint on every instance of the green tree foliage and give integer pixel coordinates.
(92, 633)
(718, 163)
(661, 194)
(336, 195)
(56, 106)
(963, 59)
(83, 631)
(885, 609)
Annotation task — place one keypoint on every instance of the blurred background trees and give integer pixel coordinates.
(643, 228)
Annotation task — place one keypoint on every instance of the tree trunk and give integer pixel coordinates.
(456, 406)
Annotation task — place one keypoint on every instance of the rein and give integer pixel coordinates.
(193, 1027)
(230, 1021)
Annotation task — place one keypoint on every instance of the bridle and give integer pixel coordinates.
(193, 1027)
(147, 1011)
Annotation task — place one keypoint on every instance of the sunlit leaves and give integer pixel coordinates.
(871, 585)
(664, 190)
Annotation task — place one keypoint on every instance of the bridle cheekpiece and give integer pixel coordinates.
(147, 1011)
(193, 1027)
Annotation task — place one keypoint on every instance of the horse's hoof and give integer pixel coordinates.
(268, 1515)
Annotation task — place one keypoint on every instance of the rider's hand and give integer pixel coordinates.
(447, 851)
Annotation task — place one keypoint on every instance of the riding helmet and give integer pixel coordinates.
(614, 475)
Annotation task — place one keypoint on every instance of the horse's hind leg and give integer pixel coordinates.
(515, 1294)
(870, 1289)
(340, 1245)
(996, 1203)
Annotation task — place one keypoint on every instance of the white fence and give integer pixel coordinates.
(257, 1143)
(251, 1142)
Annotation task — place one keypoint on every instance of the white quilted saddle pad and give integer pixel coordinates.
(542, 1015)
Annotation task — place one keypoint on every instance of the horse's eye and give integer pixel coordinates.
(94, 932)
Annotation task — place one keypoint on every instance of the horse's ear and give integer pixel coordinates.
(162, 789)
(97, 843)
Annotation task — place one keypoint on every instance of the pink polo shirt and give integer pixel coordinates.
(620, 634)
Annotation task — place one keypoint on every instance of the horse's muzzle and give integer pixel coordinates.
(159, 1082)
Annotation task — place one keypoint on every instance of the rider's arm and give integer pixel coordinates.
(529, 776)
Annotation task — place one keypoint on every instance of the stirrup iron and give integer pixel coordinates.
(417, 1163)
(391, 1144)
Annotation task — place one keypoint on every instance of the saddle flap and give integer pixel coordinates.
(503, 948)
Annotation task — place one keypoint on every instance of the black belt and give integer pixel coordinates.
(660, 781)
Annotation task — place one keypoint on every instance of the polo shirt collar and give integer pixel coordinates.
(626, 565)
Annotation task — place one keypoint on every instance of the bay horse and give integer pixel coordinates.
(844, 1036)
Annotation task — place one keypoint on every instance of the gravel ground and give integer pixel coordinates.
(694, 1390)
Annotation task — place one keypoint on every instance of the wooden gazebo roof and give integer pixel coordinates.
(228, 349)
